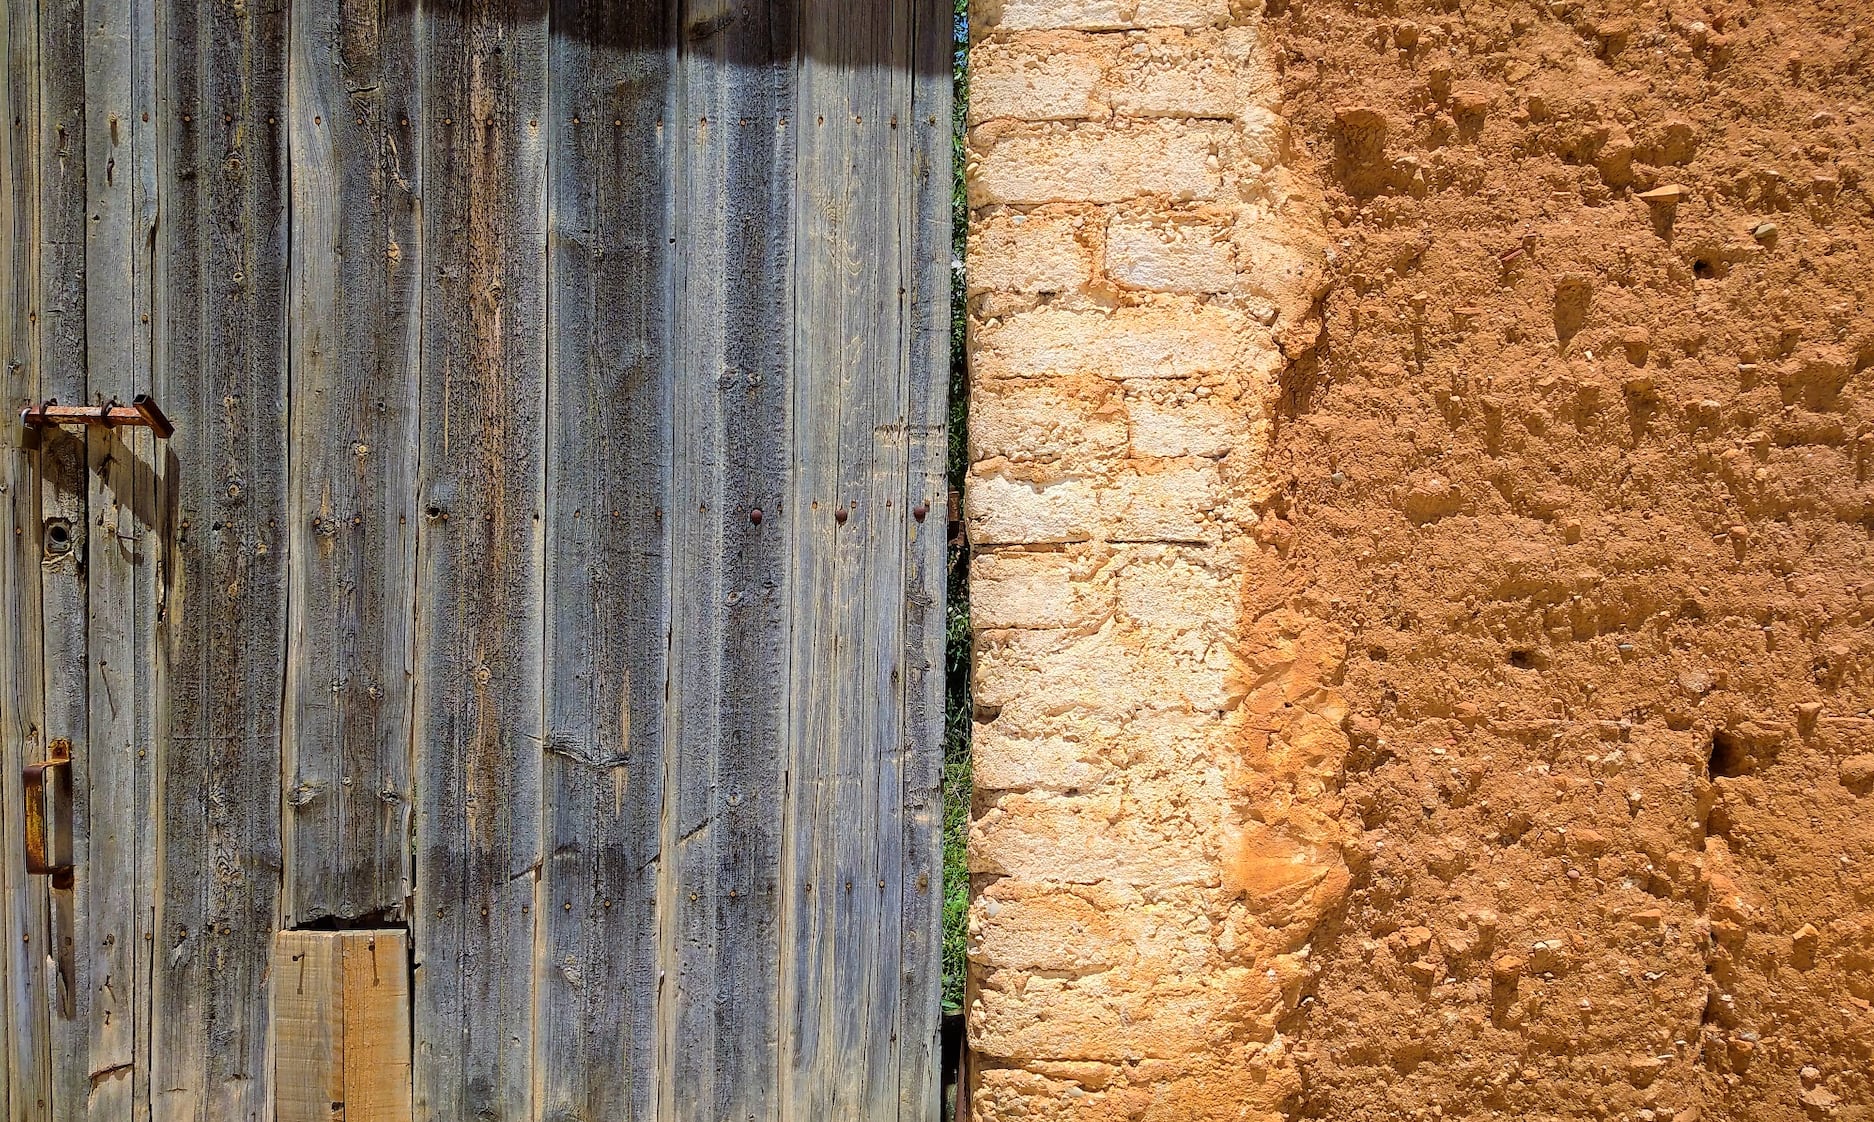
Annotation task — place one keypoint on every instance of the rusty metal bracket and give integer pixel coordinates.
(141, 412)
(49, 813)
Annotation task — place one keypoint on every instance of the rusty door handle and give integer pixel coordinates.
(49, 812)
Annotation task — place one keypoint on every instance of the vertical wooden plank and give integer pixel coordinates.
(480, 626)
(859, 76)
(884, 159)
(62, 494)
(141, 499)
(376, 1016)
(806, 942)
(927, 167)
(353, 520)
(720, 908)
(62, 508)
(837, 362)
(864, 418)
(22, 697)
(341, 1026)
(309, 1001)
(746, 176)
(607, 558)
(221, 372)
(114, 884)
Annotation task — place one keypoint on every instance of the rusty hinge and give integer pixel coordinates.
(140, 412)
(49, 814)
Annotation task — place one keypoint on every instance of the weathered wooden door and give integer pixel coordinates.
(546, 568)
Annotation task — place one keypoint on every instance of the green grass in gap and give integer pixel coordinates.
(956, 777)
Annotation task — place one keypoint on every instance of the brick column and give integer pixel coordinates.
(1157, 832)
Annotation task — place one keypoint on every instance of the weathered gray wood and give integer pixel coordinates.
(148, 486)
(732, 452)
(846, 383)
(114, 893)
(927, 163)
(841, 950)
(609, 506)
(479, 620)
(673, 767)
(353, 520)
(62, 499)
(22, 697)
(739, 297)
(220, 370)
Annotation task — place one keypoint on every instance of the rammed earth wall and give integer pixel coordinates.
(1155, 834)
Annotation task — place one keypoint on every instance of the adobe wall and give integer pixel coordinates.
(1450, 699)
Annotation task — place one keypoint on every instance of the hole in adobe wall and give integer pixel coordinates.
(1524, 659)
(1709, 268)
(1729, 758)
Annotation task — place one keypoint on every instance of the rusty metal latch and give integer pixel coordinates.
(140, 412)
(49, 813)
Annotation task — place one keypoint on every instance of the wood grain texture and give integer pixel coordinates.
(353, 341)
(63, 492)
(308, 1024)
(480, 622)
(843, 950)
(341, 1025)
(459, 520)
(220, 369)
(927, 163)
(376, 1001)
(726, 804)
(115, 890)
(22, 692)
(609, 507)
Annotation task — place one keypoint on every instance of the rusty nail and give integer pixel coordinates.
(839, 516)
(755, 516)
(920, 510)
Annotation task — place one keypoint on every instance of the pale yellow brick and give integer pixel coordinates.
(1096, 15)
(1173, 340)
(1181, 13)
(1036, 423)
(1177, 83)
(1013, 588)
(1100, 1018)
(1039, 78)
(1002, 511)
(1000, 762)
(1148, 744)
(1029, 253)
(1094, 163)
(1174, 504)
(1121, 716)
(1201, 427)
(1259, 144)
(1176, 591)
(1192, 257)
(1084, 928)
(1026, 835)
(1108, 672)
(1014, 1093)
